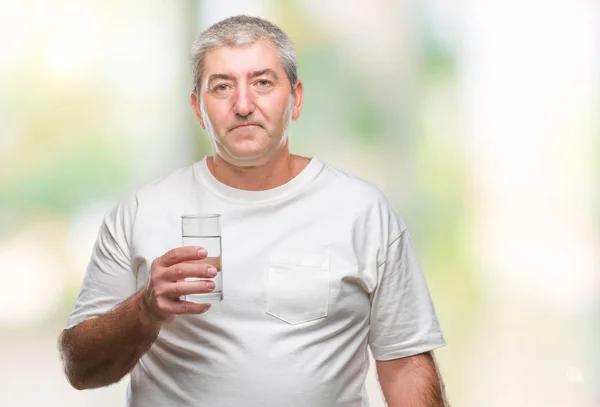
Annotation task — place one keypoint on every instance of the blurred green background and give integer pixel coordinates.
(478, 119)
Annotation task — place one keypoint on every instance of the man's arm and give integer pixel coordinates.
(102, 350)
(413, 381)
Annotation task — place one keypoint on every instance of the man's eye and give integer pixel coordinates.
(263, 83)
(220, 88)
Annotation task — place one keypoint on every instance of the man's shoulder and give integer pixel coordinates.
(180, 178)
(159, 188)
(347, 184)
(351, 193)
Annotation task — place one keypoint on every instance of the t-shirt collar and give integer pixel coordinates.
(204, 175)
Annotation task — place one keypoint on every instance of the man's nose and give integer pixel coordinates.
(244, 102)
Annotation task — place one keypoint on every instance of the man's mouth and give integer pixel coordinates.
(245, 125)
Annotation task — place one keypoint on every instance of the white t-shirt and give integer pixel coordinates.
(313, 272)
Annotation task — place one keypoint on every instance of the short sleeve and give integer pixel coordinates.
(403, 321)
(109, 278)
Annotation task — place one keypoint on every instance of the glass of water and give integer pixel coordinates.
(205, 230)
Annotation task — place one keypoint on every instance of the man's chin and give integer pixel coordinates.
(248, 158)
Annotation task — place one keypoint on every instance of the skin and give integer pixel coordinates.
(412, 381)
(245, 102)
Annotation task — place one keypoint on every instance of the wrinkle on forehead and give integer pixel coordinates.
(239, 61)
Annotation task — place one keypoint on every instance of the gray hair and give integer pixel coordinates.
(243, 30)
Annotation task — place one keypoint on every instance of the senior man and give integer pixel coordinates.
(317, 264)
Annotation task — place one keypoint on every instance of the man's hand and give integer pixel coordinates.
(413, 381)
(100, 351)
(167, 283)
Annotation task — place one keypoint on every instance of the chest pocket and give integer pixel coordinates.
(298, 287)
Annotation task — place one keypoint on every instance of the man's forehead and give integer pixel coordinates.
(242, 60)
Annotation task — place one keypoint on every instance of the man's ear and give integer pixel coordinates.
(195, 103)
(298, 99)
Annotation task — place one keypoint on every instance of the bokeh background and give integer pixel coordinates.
(479, 119)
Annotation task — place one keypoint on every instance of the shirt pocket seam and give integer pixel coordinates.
(278, 304)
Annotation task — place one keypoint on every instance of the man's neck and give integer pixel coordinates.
(278, 171)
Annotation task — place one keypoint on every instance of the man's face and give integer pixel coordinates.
(246, 103)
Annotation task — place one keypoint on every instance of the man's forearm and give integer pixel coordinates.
(102, 350)
(413, 381)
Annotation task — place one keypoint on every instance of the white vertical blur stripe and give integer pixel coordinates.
(530, 83)
(529, 89)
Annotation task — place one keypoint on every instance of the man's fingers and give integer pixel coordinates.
(214, 261)
(185, 270)
(181, 254)
(176, 307)
(187, 307)
(179, 288)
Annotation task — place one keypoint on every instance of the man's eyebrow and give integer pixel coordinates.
(218, 76)
(254, 74)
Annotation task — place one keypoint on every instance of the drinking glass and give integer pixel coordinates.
(204, 230)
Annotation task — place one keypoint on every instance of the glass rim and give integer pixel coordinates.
(201, 216)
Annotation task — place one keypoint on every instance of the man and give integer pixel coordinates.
(316, 263)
